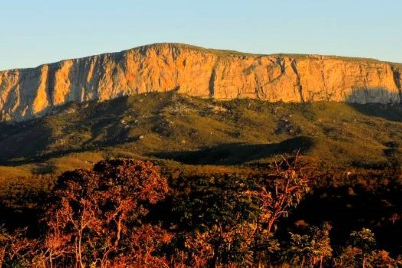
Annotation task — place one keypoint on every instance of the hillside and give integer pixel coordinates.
(210, 151)
(197, 72)
(196, 131)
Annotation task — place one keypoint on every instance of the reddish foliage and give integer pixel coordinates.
(95, 216)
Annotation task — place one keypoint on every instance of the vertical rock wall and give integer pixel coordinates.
(28, 93)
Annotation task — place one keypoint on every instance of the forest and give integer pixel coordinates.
(131, 213)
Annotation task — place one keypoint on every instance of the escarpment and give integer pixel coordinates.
(222, 75)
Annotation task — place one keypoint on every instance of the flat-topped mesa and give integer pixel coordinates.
(222, 75)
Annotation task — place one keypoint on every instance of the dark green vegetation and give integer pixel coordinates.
(209, 151)
(200, 131)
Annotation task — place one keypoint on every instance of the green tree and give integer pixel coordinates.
(215, 215)
(361, 248)
(310, 246)
(365, 241)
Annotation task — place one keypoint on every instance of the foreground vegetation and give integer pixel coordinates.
(217, 199)
(125, 213)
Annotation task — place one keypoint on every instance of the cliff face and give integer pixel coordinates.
(28, 93)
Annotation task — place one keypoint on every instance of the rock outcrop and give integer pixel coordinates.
(29, 93)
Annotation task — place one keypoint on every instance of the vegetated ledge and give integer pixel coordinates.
(200, 72)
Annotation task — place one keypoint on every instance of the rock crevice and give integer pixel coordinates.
(397, 79)
(299, 87)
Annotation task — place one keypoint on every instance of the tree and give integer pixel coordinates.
(16, 250)
(350, 257)
(276, 196)
(310, 246)
(95, 215)
(363, 240)
(381, 258)
(215, 217)
(290, 185)
(362, 244)
(361, 251)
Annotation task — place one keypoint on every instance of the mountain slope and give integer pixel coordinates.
(189, 130)
(222, 75)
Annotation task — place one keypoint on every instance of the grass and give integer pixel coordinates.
(169, 124)
(187, 135)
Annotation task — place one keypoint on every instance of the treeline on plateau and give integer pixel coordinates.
(124, 213)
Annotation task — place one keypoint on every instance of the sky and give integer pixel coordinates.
(44, 31)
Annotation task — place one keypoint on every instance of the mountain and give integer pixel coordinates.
(215, 134)
(198, 72)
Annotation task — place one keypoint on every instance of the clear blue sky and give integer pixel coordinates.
(43, 31)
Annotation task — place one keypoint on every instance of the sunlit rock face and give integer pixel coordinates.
(222, 75)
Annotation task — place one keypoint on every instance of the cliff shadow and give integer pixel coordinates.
(61, 132)
(21, 141)
(238, 153)
(378, 102)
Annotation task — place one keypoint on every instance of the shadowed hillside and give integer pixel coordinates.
(200, 131)
(239, 153)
